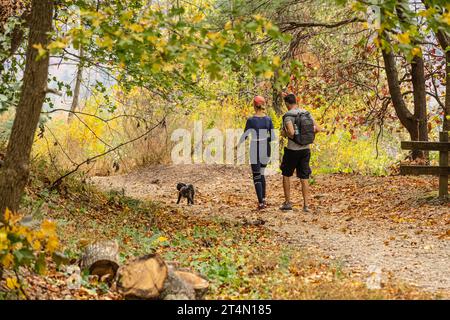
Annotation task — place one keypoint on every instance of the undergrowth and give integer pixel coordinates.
(241, 262)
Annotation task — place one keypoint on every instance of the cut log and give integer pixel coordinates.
(197, 281)
(142, 278)
(176, 288)
(101, 258)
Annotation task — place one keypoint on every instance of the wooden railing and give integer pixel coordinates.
(443, 170)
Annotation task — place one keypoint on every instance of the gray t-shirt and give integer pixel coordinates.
(290, 117)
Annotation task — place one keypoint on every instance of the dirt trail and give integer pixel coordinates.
(390, 222)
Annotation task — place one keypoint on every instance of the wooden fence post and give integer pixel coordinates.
(443, 162)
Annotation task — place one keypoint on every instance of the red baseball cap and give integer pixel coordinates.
(258, 100)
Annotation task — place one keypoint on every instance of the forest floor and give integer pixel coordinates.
(395, 223)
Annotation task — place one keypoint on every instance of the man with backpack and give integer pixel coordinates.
(300, 129)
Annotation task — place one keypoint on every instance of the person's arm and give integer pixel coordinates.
(272, 135)
(289, 129)
(317, 128)
(244, 135)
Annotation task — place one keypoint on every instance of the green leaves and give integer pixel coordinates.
(143, 43)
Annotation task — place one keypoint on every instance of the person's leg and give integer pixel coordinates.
(304, 172)
(263, 181)
(287, 189)
(287, 169)
(264, 162)
(257, 181)
(305, 192)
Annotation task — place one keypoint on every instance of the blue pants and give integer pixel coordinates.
(259, 158)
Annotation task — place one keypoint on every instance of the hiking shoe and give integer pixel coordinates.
(286, 206)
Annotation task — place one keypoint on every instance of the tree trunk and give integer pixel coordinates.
(14, 174)
(277, 102)
(420, 102)
(404, 115)
(444, 42)
(76, 91)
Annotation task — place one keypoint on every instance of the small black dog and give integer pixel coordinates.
(186, 191)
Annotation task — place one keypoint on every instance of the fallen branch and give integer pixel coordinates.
(292, 25)
(58, 181)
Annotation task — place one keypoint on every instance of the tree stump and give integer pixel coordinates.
(102, 259)
(142, 278)
(175, 288)
(197, 281)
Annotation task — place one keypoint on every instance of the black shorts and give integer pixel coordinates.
(296, 160)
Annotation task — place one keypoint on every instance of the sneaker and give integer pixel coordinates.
(261, 206)
(286, 206)
(306, 209)
(265, 203)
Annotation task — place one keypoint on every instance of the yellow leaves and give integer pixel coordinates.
(138, 37)
(404, 38)
(446, 17)
(268, 74)
(36, 245)
(152, 38)
(145, 57)
(26, 242)
(258, 17)
(7, 214)
(41, 51)
(212, 35)
(198, 17)
(398, 219)
(126, 16)
(3, 236)
(427, 13)
(52, 244)
(268, 25)
(135, 27)
(12, 283)
(96, 17)
(161, 45)
(167, 67)
(416, 51)
(105, 42)
(217, 38)
(356, 6)
(156, 67)
(11, 218)
(228, 25)
(7, 260)
(3, 240)
(58, 44)
(162, 239)
(48, 228)
(377, 41)
(276, 61)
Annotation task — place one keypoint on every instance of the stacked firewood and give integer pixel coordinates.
(147, 277)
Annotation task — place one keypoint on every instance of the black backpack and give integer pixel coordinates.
(304, 125)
